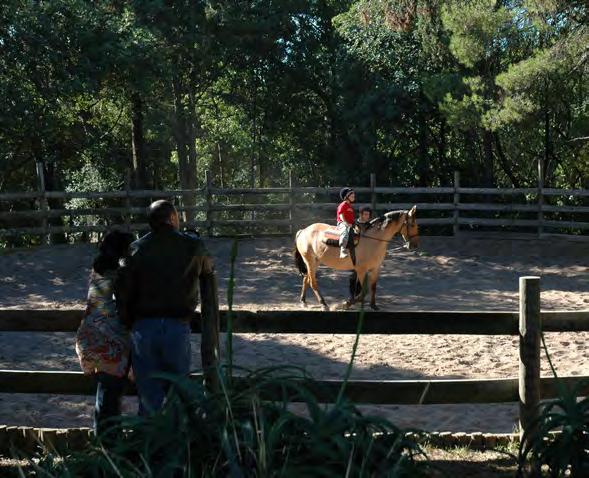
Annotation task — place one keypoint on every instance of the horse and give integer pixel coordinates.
(311, 250)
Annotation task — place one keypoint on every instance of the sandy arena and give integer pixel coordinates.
(446, 274)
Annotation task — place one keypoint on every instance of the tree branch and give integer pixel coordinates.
(504, 161)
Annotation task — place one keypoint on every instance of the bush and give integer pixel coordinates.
(240, 432)
(559, 439)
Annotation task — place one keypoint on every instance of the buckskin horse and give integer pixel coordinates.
(312, 249)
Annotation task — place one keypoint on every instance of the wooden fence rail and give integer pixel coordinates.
(361, 391)
(381, 392)
(292, 207)
(319, 322)
(527, 389)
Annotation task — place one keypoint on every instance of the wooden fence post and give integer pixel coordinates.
(290, 202)
(540, 197)
(530, 328)
(208, 202)
(43, 203)
(210, 327)
(373, 193)
(456, 215)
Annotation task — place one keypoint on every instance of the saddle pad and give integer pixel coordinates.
(332, 234)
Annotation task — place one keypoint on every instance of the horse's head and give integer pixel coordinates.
(409, 229)
(399, 222)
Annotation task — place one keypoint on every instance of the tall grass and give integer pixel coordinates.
(559, 439)
(243, 430)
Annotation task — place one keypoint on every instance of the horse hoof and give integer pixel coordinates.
(374, 307)
(303, 304)
(325, 307)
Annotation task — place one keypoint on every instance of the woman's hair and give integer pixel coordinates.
(114, 246)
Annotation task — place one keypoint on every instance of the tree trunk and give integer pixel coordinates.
(547, 147)
(504, 162)
(488, 160)
(138, 143)
(442, 150)
(221, 170)
(191, 142)
(52, 183)
(186, 154)
(422, 148)
(472, 174)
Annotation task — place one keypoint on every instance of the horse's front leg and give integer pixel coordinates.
(373, 280)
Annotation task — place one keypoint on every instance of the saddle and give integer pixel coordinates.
(332, 235)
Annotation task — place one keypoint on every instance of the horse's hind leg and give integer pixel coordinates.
(304, 290)
(313, 283)
(318, 294)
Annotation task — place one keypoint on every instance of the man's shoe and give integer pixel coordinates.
(343, 254)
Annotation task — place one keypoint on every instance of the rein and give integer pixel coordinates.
(400, 248)
(405, 246)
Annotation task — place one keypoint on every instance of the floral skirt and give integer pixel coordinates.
(103, 345)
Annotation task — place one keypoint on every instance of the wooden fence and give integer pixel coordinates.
(281, 210)
(528, 324)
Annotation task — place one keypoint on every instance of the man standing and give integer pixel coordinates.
(160, 281)
(363, 219)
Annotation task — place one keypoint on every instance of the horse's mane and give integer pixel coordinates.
(384, 219)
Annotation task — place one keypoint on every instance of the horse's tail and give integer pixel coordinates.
(300, 263)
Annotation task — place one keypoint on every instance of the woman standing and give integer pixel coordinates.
(102, 342)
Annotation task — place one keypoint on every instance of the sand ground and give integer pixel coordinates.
(466, 273)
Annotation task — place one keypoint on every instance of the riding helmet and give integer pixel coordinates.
(345, 192)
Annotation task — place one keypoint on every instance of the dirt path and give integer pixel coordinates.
(446, 274)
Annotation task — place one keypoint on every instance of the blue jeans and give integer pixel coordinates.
(109, 392)
(158, 345)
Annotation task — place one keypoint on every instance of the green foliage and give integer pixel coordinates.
(478, 28)
(469, 111)
(240, 432)
(409, 89)
(559, 438)
(89, 178)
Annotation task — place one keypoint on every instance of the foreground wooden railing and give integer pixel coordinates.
(528, 324)
(291, 207)
(334, 322)
(376, 392)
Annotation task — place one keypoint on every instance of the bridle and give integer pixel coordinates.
(407, 242)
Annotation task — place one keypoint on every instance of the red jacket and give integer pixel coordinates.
(347, 210)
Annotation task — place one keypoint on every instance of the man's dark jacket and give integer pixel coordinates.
(161, 277)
